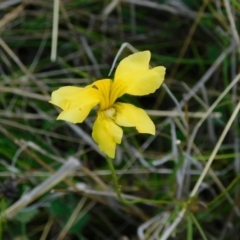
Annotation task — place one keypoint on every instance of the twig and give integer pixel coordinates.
(55, 30)
(67, 168)
(156, 113)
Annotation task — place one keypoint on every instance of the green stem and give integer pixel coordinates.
(118, 191)
(198, 226)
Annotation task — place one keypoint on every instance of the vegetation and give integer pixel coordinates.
(54, 181)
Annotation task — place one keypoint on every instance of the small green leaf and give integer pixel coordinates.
(26, 215)
(79, 225)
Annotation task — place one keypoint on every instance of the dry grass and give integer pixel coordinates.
(56, 184)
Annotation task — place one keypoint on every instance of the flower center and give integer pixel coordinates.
(110, 112)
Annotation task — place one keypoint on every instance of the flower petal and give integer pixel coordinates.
(64, 96)
(132, 64)
(127, 115)
(134, 77)
(146, 82)
(107, 134)
(76, 114)
(75, 102)
(104, 87)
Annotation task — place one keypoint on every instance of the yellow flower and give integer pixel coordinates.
(132, 76)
